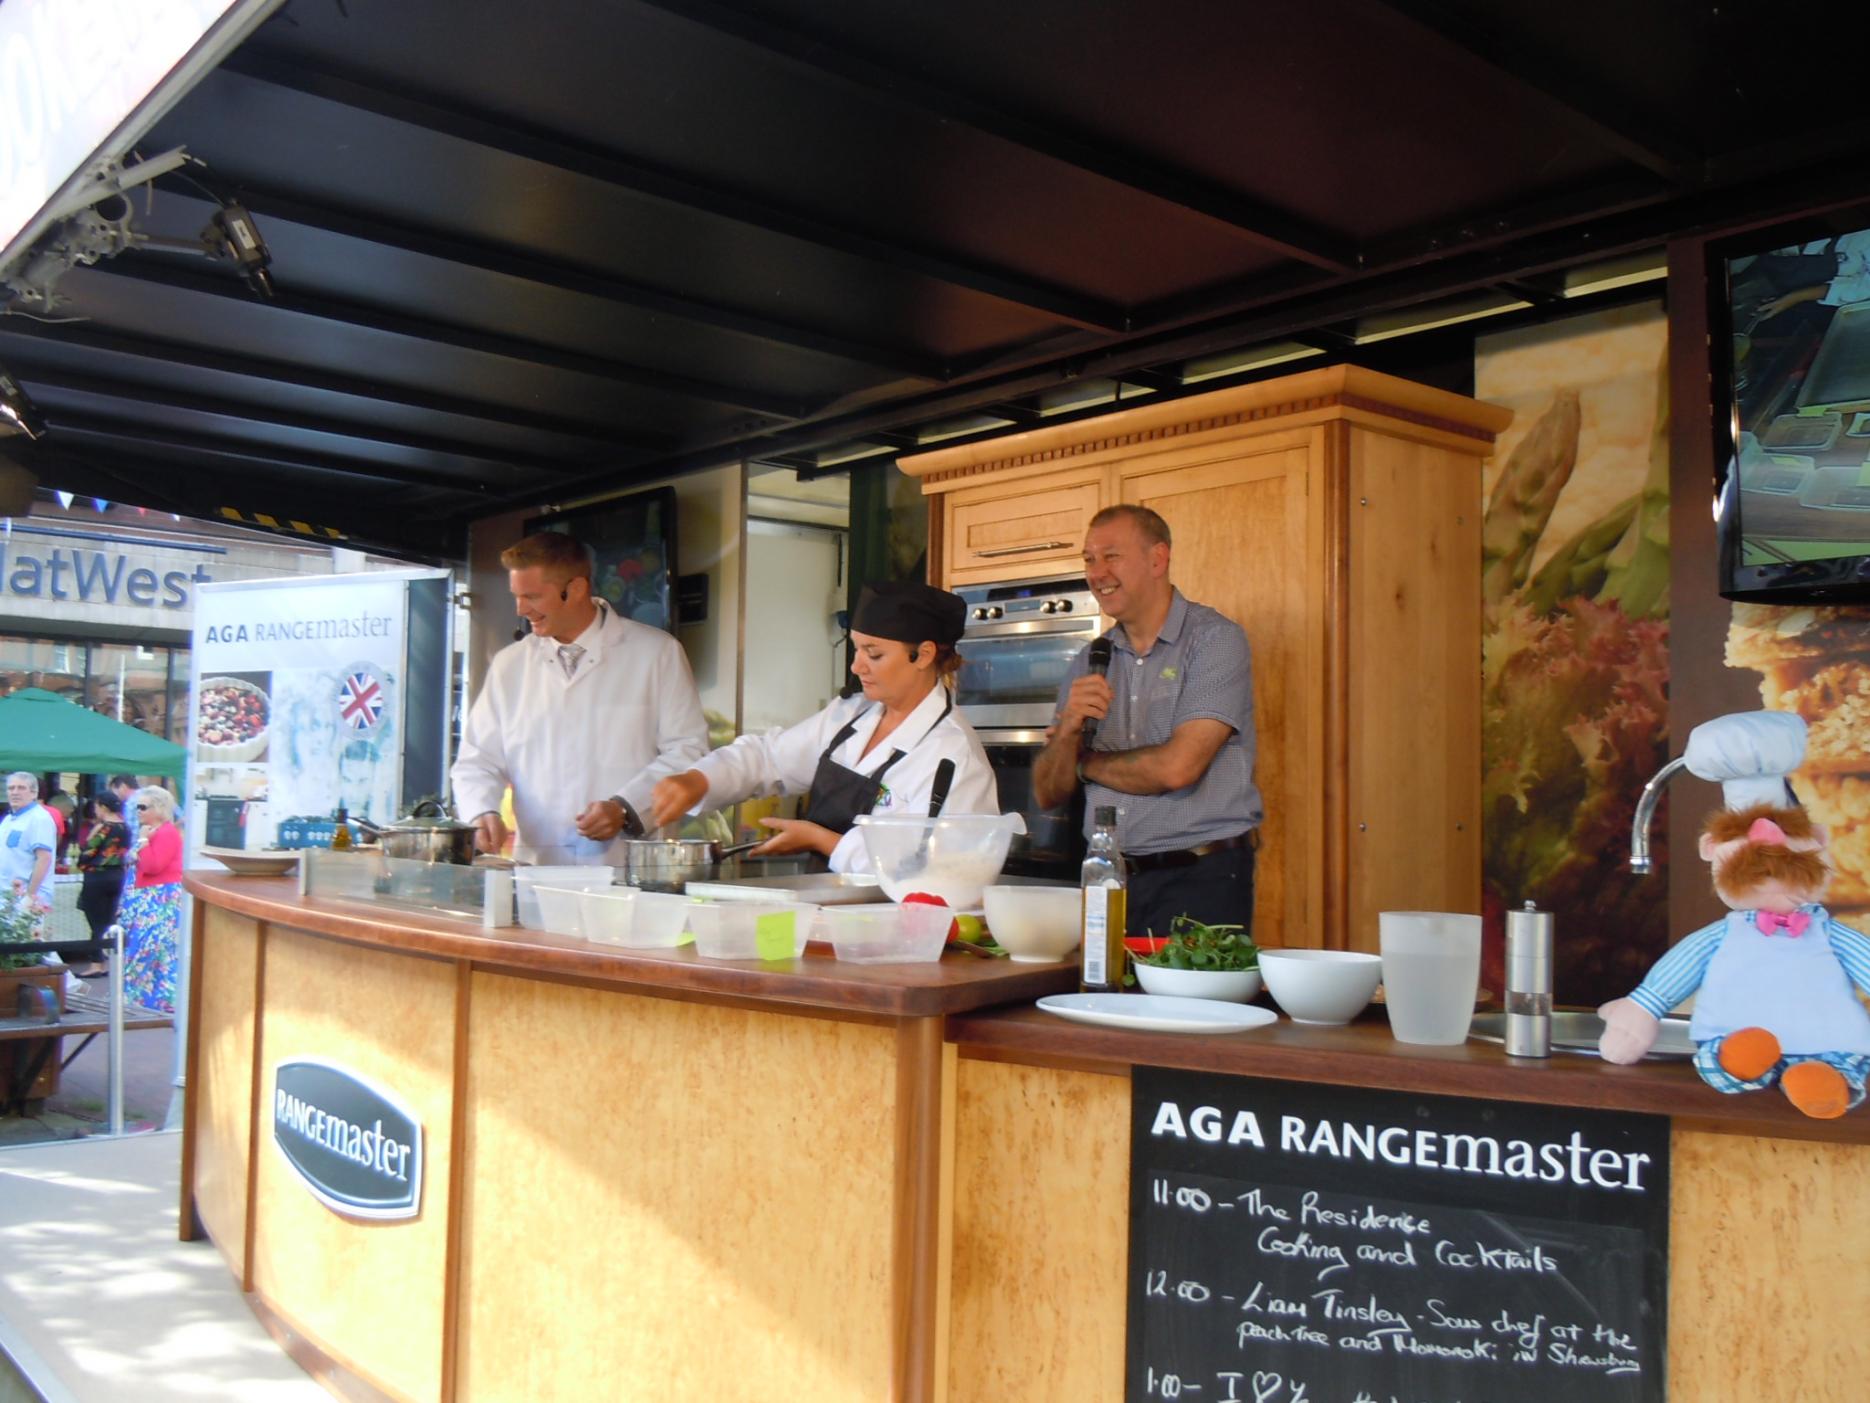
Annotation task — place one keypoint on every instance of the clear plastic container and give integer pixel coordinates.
(527, 879)
(559, 909)
(735, 930)
(609, 914)
(888, 935)
(644, 920)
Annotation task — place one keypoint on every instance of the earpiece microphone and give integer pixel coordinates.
(1099, 661)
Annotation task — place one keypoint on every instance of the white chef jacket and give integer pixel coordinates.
(784, 761)
(626, 718)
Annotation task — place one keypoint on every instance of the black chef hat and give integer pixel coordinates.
(909, 613)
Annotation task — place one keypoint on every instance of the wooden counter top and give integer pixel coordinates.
(1364, 1054)
(954, 984)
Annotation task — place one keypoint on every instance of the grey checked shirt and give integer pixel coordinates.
(1199, 667)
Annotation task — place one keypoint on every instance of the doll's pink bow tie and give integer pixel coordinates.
(1792, 923)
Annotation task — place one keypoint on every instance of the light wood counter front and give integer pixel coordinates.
(645, 1175)
(650, 1176)
(1769, 1211)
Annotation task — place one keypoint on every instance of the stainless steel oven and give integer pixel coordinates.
(1018, 645)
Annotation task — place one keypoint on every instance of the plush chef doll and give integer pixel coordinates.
(1777, 979)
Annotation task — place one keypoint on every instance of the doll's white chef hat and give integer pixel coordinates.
(1749, 754)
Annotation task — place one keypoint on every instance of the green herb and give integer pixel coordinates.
(1196, 945)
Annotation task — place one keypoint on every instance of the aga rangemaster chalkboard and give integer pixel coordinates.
(1294, 1243)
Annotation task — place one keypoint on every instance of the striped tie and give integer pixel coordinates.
(568, 655)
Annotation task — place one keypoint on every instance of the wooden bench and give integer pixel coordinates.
(38, 1024)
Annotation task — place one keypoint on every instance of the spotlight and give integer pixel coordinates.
(233, 233)
(17, 408)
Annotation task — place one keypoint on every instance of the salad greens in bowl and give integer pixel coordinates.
(1201, 961)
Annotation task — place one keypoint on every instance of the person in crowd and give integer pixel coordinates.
(581, 718)
(898, 747)
(100, 860)
(124, 787)
(59, 806)
(28, 840)
(1174, 738)
(152, 909)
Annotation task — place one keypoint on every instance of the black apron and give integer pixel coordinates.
(839, 793)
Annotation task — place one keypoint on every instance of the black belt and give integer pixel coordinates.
(1188, 857)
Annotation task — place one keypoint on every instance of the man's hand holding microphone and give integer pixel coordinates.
(1088, 701)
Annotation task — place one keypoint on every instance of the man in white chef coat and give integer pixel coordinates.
(582, 718)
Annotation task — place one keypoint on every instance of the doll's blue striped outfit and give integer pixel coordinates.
(1801, 984)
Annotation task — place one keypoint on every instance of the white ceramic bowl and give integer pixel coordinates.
(253, 864)
(1321, 986)
(955, 857)
(1233, 985)
(1035, 924)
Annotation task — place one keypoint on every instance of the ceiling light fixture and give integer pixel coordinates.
(1242, 361)
(232, 234)
(1651, 265)
(1434, 316)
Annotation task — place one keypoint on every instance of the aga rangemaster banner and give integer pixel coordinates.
(315, 692)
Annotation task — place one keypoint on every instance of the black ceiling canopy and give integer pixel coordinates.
(521, 253)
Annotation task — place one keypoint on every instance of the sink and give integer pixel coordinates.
(1577, 1031)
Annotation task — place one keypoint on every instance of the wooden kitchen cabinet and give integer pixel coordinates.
(1335, 515)
(1013, 530)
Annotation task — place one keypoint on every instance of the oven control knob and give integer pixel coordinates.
(1049, 607)
(996, 612)
(1064, 606)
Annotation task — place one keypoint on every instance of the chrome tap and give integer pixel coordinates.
(1646, 810)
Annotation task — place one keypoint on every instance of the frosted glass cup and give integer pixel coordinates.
(1431, 974)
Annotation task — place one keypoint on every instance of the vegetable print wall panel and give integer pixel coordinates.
(1575, 587)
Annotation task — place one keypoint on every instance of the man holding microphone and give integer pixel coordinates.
(1159, 724)
(581, 718)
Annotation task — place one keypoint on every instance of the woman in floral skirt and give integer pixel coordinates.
(152, 906)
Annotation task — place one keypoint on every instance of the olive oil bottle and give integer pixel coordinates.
(1105, 884)
(341, 834)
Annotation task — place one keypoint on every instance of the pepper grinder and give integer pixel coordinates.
(1529, 982)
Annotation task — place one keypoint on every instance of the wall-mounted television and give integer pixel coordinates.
(1789, 326)
(632, 544)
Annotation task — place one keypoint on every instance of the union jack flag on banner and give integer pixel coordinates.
(360, 701)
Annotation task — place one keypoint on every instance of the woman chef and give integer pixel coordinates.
(898, 748)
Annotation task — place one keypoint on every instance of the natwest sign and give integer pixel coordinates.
(85, 576)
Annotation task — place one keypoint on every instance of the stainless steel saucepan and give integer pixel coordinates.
(670, 864)
(427, 835)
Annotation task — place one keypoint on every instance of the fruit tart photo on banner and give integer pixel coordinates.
(1575, 643)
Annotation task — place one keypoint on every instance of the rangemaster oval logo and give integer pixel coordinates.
(357, 1148)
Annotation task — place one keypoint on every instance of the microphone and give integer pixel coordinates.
(1100, 666)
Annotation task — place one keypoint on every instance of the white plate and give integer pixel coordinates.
(1158, 1013)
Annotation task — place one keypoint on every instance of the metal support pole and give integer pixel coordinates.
(115, 936)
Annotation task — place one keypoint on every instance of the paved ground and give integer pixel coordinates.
(99, 1301)
(80, 1107)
